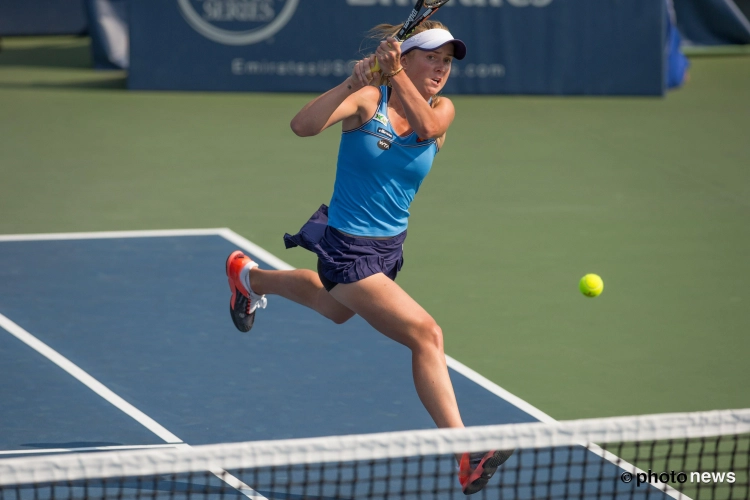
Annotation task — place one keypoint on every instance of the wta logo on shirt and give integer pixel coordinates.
(237, 22)
(384, 145)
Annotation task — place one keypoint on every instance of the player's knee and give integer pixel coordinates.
(436, 337)
(430, 335)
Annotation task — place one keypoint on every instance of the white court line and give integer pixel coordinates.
(231, 480)
(254, 249)
(96, 235)
(43, 451)
(100, 389)
(498, 391)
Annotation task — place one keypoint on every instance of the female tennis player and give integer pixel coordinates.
(390, 135)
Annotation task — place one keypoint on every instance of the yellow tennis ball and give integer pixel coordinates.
(591, 285)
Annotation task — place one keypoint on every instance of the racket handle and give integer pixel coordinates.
(376, 68)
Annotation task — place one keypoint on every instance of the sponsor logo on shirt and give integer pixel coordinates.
(383, 131)
(380, 117)
(384, 145)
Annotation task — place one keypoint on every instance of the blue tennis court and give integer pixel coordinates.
(123, 340)
(147, 317)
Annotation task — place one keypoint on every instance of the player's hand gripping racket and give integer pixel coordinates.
(414, 20)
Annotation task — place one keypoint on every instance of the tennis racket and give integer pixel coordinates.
(414, 20)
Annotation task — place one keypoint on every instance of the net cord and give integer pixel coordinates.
(376, 446)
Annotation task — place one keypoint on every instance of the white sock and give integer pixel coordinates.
(245, 275)
(258, 301)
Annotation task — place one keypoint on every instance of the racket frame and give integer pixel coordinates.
(413, 21)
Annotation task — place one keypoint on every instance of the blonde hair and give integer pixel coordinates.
(383, 31)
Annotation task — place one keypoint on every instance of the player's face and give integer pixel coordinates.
(429, 70)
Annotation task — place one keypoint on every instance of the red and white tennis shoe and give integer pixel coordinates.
(475, 469)
(244, 302)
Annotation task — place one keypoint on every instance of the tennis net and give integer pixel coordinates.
(701, 455)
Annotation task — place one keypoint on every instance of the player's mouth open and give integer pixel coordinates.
(437, 80)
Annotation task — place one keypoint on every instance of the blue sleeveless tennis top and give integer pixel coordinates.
(377, 176)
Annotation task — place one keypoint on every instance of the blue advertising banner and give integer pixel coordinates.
(42, 17)
(712, 22)
(600, 47)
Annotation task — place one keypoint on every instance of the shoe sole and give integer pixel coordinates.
(488, 469)
(242, 325)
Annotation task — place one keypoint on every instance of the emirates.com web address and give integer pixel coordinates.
(343, 68)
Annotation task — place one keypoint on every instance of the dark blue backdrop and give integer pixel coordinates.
(712, 22)
(515, 46)
(42, 17)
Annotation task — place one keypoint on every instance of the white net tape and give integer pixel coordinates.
(247, 455)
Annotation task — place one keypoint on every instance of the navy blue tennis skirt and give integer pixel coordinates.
(347, 259)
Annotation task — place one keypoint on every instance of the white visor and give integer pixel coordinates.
(433, 39)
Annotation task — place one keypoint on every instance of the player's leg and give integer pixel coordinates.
(391, 311)
(303, 287)
(250, 284)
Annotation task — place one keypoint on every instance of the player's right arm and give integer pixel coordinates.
(349, 102)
